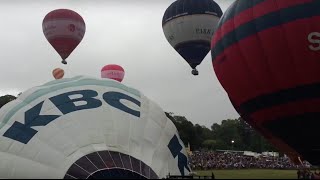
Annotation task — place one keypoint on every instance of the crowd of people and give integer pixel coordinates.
(208, 160)
(204, 160)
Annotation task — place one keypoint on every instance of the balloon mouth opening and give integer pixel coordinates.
(116, 173)
(109, 165)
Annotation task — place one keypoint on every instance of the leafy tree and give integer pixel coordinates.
(5, 99)
(220, 136)
(209, 144)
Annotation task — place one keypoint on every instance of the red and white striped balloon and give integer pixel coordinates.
(64, 29)
(58, 73)
(113, 71)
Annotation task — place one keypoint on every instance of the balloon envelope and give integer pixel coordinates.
(58, 73)
(113, 71)
(189, 25)
(265, 55)
(85, 127)
(64, 29)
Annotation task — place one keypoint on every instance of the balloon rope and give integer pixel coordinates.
(68, 71)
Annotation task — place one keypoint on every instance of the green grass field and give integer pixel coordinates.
(250, 174)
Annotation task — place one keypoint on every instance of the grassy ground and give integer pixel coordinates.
(251, 174)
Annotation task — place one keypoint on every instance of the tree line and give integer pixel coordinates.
(230, 134)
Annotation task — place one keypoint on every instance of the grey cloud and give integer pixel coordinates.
(126, 32)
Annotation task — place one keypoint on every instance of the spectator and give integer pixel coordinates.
(299, 174)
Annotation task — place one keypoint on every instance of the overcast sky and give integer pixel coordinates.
(124, 32)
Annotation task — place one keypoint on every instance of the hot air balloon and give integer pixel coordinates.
(58, 73)
(189, 25)
(64, 29)
(113, 71)
(84, 127)
(266, 56)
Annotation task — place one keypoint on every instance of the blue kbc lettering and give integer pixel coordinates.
(24, 132)
(175, 148)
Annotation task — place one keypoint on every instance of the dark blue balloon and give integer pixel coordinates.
(189, 26)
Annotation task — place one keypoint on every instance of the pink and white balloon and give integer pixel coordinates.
(113, 71)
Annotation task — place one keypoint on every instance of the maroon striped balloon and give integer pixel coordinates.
(64, 29)
(266, 55)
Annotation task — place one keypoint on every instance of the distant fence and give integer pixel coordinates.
(190, 177)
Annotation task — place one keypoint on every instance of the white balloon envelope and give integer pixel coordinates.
(84, 127)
